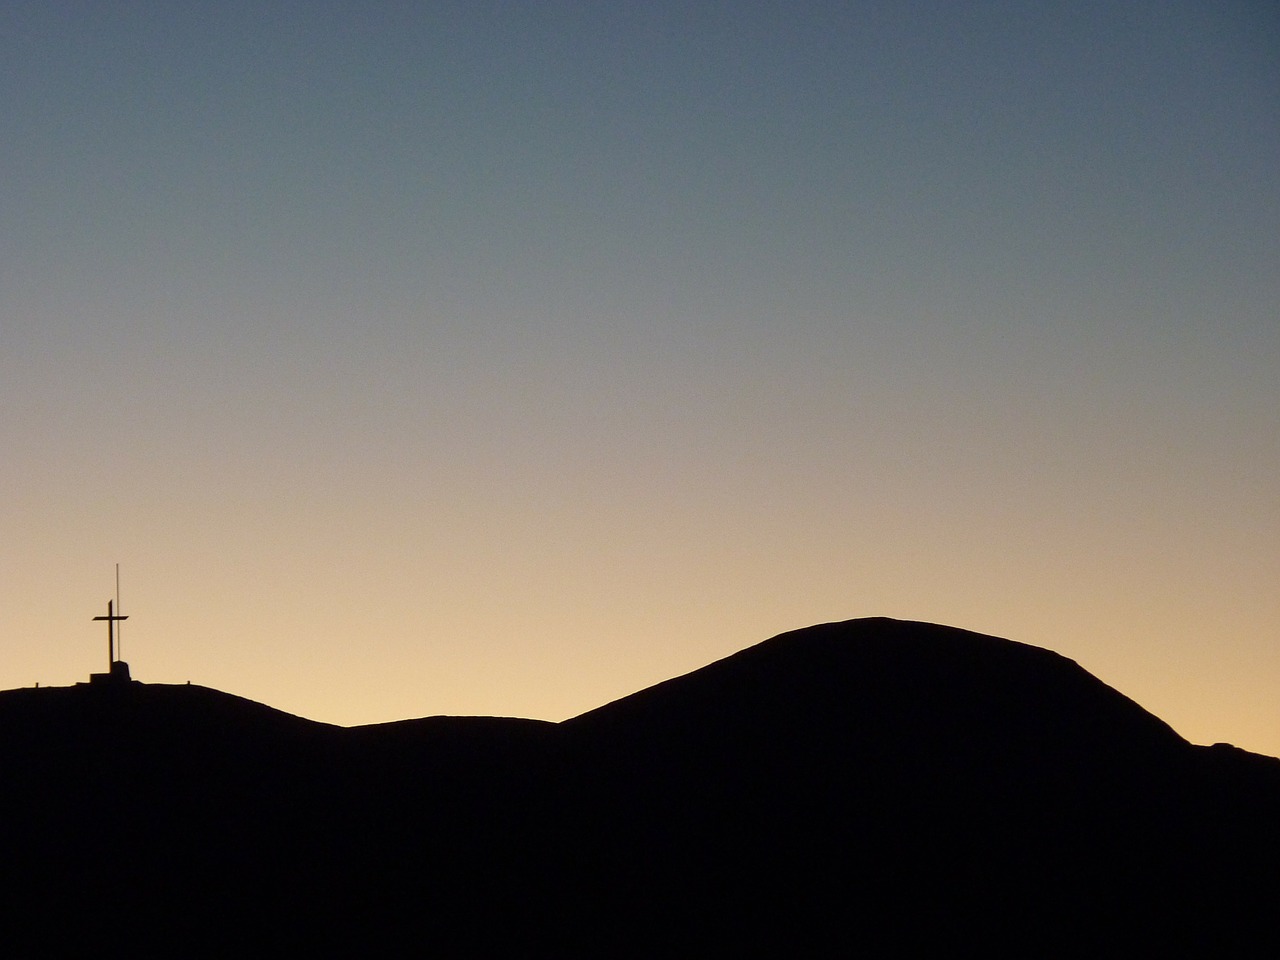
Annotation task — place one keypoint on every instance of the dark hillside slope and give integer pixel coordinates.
(887, 686)
(926, 782)
(206, 824)
(881, 785)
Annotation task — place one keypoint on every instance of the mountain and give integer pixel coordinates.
(872, 785)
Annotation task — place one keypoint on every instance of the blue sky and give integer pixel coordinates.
(505, 358)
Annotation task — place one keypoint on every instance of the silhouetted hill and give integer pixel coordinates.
(877, 691)
(872, 785)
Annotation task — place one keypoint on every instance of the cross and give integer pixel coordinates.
(111, 619)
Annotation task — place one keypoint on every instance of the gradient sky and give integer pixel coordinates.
(498, 358)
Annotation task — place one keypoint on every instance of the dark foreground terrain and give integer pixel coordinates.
(874, 787)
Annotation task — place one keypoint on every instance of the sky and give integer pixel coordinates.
(505, 359)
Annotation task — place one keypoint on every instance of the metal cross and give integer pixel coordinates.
(111, 619)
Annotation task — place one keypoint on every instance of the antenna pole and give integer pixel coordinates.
(120, 630)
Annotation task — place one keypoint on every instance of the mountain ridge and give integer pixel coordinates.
(840, 781)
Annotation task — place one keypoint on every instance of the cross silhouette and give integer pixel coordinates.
(111, 619)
